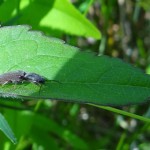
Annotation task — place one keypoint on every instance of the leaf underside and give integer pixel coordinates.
(6, 129)
(54, 14)
(84, 77)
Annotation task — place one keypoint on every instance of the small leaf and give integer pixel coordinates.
(6, 129)
(83, 77)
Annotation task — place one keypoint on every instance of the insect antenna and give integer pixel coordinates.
(54, 81)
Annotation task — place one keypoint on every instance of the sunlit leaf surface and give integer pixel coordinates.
(82, 77)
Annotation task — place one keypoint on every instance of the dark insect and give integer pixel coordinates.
(34, 78)
(21, 76)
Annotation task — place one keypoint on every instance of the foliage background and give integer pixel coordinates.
(125, 28)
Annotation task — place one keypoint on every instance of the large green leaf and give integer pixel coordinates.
(46, 15)
(84, 77)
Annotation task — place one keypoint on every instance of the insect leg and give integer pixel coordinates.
(6, 82)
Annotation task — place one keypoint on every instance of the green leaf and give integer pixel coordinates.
(54, 14)
(145, 4)
(6, 129)
(84, 77)
(125, 113)
(69, 20)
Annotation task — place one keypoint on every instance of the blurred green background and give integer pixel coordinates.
(115, 28)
